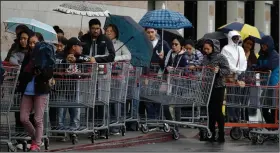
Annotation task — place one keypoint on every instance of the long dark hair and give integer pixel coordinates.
(29, 33)
(252, 59)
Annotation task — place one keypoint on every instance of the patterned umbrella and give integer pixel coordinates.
(165, 19)
(82, 8)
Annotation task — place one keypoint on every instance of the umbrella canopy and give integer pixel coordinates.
(134, 37)
(165, 19)
(244, 29)
(46, 30)
(82, 8)
(215, 35)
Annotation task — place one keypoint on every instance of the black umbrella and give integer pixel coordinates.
(169, 34)
(213, 35)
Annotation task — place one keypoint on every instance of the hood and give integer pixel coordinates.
(230, 35)
(216, 45)
(268, 40)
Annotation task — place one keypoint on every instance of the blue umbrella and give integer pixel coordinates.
(165, 19)
(46, 30)
(134, 37)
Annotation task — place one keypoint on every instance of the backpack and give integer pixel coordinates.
(45, 55)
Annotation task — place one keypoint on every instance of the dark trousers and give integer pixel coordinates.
(215, 112)
(53, 116)
(269, 117)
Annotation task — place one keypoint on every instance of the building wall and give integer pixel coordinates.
(43, 11)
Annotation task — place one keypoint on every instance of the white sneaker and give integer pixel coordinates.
(19, 146)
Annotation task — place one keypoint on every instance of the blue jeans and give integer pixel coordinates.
(74, 117)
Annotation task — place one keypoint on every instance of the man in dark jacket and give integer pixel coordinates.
(97, 44)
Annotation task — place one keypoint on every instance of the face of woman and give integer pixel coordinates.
(248, 45)
(110, 33)
(59, 47)
(207, 48)
(189, 48)
(32, 41)
(60, 34)
(23, 40)
(176, 47)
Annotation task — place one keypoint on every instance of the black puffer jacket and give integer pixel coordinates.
(216, 59)
(103, 48)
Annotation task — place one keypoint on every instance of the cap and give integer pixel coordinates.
(74, 41)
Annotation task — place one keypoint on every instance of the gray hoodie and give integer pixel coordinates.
(217, 59)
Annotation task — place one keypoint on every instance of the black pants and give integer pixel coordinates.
(215, 112)
(53, 116)
(269, 117)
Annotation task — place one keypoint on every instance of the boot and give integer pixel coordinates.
(221, 138)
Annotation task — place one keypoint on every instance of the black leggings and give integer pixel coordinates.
(215, 111)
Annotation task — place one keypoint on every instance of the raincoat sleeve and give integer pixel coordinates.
(230, 59)
(273, 62)
(14, 59)
(125, 53)
(224, 66)
(243, 61)
(111, 52)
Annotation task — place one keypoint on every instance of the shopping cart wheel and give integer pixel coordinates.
(144, 128)
(175, 135)
(166, 128)
(74, 139)
(260, 139)
(235, 133)
(24, 146)
(123, 131)
(47, 143)
(209, 135)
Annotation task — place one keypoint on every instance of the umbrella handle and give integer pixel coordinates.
(81, 23)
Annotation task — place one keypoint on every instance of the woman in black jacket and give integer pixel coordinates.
(214, 59)
(35, 82)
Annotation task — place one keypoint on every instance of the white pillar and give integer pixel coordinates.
(205, 17)
(262, 16)
(235, 11)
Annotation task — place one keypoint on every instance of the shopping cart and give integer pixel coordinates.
(270, 130)
(244, 98)
(118, 93)
(7, 91)
(187, 88)
(151, 76)
(75, 88)
(133, 95)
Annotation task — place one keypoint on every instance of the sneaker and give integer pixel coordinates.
(34, 148)
(19, 146)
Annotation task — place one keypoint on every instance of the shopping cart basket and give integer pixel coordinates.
(7, 93)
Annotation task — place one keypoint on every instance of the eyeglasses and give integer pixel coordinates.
(175, 44)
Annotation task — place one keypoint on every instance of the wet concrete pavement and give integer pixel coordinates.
(194, 145)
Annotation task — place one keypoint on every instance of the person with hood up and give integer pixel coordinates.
(218, 61)
(269, 61)
(237, 63)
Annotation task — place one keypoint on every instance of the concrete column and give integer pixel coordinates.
(205, 17)
(262, 16)
(235, 11)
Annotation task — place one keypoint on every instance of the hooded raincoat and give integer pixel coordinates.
(235, 55)
(269, 60)
(217, 59)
